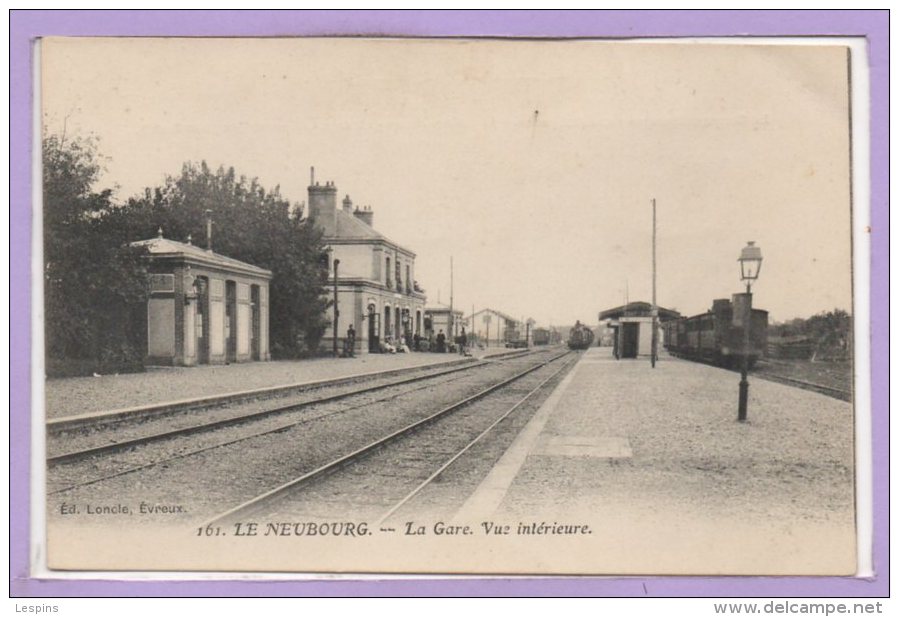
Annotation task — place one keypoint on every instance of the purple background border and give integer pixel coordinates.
(26, 25)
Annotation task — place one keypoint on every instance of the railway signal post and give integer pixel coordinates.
(750, 264)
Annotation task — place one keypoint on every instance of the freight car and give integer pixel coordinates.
(580, 336)
(512, 337)
(714, 337)
(541, 336)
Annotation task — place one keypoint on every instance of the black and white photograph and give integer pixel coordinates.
(448, 306)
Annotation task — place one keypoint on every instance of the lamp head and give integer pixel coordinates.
(750, 262)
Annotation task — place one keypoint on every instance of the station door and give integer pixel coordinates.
(374, 332)
(630, 333)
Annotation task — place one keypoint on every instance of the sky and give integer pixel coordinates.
(532, 164)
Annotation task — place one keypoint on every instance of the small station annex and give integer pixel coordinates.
(203, 307)
(632, 327)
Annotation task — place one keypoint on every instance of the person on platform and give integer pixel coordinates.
(441, 342)
(403, 347)
(387, 346)
(350, 350)
(463, 342)
(416, 341)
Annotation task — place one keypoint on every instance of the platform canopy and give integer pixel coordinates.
(637, 309)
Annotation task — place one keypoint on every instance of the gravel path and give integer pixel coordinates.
(794, 455)
(699, 491)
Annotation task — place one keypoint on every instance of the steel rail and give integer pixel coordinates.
(838, 393)
(163, 409)
(359, 453)
(78, 455)
(480, 436)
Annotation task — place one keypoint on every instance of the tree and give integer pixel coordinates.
(830, 332)
(251, 224)
(94, 282)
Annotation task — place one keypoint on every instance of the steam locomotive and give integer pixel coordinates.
(715, 336)
(580, 336)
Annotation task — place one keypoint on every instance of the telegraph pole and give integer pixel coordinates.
(655, 307)
(336, 311)
(451, 334)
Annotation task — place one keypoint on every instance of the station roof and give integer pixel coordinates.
(496, 312)
(637, 309)
(345, 226)
(160, 247)
(439, 307)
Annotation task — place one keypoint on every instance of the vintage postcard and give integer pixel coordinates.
(449, 306)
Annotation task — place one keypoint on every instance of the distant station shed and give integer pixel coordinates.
(632, 328)
(204, 308)
(439, 318)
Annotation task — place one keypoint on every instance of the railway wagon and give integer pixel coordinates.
(580, 337)
(512, 338)
(713, 337)
(541, 336)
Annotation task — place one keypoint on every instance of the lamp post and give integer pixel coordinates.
(336, 311)
(750, 265)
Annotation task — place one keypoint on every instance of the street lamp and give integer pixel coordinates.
(336, 312)
(750, 265)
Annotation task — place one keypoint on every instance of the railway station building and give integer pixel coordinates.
(631, 326)
(440, 317)
(375, 277)
(204, 308)
(492, 326)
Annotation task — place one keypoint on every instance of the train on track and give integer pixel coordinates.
(541, 336)
(715, 338)
(580, 336)
(513, 338)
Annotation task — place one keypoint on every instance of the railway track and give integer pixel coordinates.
(102, 419)
(236, 419)
(437, 444)
(419, 381)
(838, 393)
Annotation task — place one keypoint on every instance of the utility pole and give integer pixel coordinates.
(451, 333)
(336, 311)
(655, 307)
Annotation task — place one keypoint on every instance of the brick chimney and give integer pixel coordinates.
(347, 204)
(322, 202)
(365, 215)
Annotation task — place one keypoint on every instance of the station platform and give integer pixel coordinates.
(73, 396)
(654, 460)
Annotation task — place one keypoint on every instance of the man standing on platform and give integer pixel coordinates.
(350, 350)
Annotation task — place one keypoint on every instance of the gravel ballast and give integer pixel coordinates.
(79, 395)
